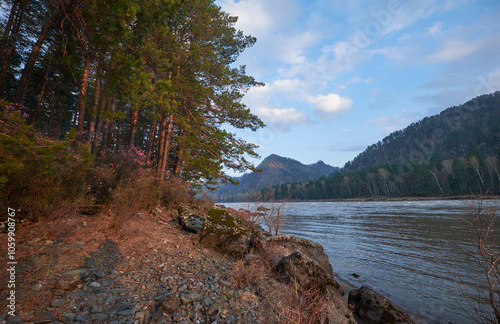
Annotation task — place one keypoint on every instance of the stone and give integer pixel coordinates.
(192, 223)
(71, 279)
(95, 284)
(170, 303)
(99, 317)
(68, 317)
(189, 297)
(284, 245)
(372, 307)
(304, 272)
(227, 233)
(100, 274)
(127, 312)
(58, 302)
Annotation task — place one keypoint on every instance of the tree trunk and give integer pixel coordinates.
(95, 145)
(161, 140)
(28, 67)
(42, 93)
(81, 97)
(13, 12)
(152, 133)
(434, 174)
(133, 125)
(95, 105)
(9, 39)
(166, 149)
(105, 130)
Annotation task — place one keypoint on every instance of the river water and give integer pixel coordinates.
(410, 251)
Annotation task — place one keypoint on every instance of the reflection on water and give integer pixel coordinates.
(410, 251)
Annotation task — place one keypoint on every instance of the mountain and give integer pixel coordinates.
(453, 133)
(456, 152)
(276, 170)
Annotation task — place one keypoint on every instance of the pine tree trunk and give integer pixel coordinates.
(97, 137)
(83, 94)
(166, 149)
(105, 130)
(163, 127)
(133, 126)
(42, 93)
(152, 133)
(13, 12)
(95, 105)
(28, 67)
(9, 39)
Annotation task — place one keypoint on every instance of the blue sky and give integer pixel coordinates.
(342, 75)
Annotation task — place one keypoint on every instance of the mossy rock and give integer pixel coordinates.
(228, 233)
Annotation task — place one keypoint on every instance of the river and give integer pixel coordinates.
(410, 251)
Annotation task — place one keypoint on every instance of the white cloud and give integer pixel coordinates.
(330, 106)
(435, 29)
(280, 119)
(453, 50)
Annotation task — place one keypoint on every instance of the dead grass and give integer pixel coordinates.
(286, 303)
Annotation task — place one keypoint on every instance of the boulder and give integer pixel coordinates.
(192, 223)
(284, 245)
(371, 307)
(304, 272)
(227, 233)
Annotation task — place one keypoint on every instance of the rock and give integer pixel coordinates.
(37, 286)
(70, 280)
(189, 297)
(58, 302)
(304, 272)
(14, 320)
(284, 245)
(226, 233)
(100, 274)
(95, 284)
(68, 317)
(99, 317)
(372, 307)
(192, 222)
(169, 304)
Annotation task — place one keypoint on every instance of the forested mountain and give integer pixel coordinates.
(276, 170)
(454, 153)
(455, 132)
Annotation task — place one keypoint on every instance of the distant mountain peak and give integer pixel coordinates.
(276, 170)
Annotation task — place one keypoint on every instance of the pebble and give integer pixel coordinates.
(187, 284)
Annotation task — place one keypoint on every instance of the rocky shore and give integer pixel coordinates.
(183, 266)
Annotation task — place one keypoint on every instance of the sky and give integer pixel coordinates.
(341, 75)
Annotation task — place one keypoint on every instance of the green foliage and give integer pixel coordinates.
(38, 173)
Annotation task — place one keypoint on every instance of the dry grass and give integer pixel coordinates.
(286, 303)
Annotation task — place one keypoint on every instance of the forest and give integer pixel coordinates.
(456, 152)
(96, 94)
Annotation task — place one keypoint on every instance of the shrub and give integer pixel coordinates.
(39, 174)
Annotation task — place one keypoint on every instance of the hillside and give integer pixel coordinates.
(453, 133)
(276, 170)
(456, 152)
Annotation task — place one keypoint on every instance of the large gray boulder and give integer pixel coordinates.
(221, 229)
(304, 272)
(284, 245)
(371, 307)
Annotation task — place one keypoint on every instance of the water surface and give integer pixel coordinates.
(410, 251)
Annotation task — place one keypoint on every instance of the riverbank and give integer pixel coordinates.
(78, 269)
